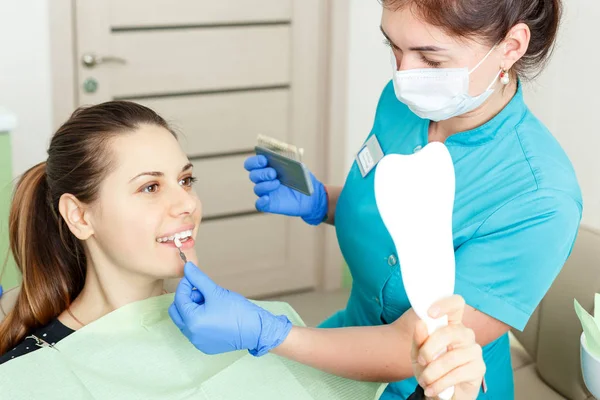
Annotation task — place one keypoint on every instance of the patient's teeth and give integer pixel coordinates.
(179, 236)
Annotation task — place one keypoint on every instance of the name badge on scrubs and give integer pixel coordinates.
(369, 155)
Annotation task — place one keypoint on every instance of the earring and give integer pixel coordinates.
(504, 77)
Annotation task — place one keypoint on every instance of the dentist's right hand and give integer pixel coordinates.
(275, 198)
(216, 320)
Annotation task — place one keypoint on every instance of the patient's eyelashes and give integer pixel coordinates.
(188, 181)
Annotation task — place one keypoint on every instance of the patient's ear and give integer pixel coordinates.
(75, 215)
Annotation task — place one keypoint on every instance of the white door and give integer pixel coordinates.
(221, 72)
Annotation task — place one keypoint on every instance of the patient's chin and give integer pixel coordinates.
(193, 258)
(173, 267)
(176, 271)
(173, 271)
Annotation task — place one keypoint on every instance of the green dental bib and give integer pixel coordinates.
(137, 352)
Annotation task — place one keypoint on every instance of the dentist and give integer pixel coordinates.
(457, 71)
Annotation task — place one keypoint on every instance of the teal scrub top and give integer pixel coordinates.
(516, 215)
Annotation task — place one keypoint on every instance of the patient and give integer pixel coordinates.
(91, 229)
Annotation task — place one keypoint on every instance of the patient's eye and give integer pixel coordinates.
(188, 181)
(150, 188)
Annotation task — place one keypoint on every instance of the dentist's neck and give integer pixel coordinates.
(440, 131)
(106, 289)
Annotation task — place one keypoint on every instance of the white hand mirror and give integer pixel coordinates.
(415, 198)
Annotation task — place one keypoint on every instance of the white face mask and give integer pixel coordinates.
(438, 94)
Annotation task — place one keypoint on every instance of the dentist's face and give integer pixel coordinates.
(144, 201)
(417, 44)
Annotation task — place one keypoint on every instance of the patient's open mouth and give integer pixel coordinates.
(185, 237)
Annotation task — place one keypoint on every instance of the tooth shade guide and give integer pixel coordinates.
(177, 242)
(280, 147)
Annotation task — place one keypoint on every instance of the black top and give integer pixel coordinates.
(48, 335)
(419, 394)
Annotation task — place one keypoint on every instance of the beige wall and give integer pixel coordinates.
(369, 70)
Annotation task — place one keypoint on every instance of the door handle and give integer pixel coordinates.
(90, 60)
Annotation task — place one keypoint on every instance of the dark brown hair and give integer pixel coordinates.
(491, 20)
(51, 259)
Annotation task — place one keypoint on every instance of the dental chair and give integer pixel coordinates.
(545, 356)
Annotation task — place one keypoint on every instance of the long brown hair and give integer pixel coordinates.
(491, 20)
(51, 259)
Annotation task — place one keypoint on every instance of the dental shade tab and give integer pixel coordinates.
(286, 160)
(178, 245)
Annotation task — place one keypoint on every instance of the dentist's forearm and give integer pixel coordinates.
(333, 192)
(374, 354)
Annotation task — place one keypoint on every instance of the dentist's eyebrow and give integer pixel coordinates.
(419, 48)
(427, 48)
(159, 174)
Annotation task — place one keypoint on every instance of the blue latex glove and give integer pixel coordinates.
(275, 198)
(217, 321)
(1, 291)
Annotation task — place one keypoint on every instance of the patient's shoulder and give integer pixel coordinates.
(48, 335)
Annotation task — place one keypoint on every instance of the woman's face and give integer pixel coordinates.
(145, 199)
(417, 44)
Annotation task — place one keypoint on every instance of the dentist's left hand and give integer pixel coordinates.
(217, 321)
